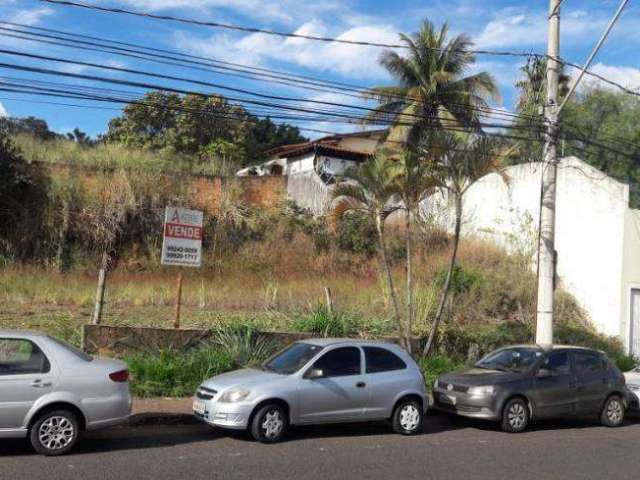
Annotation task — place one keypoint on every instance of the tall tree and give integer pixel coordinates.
(371, 188)
(457, 161)
(433, 90)
(414, 181)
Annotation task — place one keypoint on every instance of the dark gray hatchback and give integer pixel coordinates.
(514, 385)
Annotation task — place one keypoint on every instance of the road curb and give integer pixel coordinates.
(161, 418)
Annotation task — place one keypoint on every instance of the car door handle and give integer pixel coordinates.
(361, 384)
(40, 384)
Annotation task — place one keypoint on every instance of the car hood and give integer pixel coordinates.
(632, 378)
(474, 377)
(247, 377)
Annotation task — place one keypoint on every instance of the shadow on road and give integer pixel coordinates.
(125, 438)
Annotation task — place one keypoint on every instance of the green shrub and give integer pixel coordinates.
(463, 279)
(625, 362)
(356, 233)
(320, 322)
(244, 345)
(175, 373)
(434, 366)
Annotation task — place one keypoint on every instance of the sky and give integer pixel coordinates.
(505, 25)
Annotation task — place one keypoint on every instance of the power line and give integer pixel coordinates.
(263, 31)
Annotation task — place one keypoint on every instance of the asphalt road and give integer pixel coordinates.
(448, 449)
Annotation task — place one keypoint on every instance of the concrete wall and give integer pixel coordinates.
(630, 274)
(117, 341)
(591, 212)
(303, 164)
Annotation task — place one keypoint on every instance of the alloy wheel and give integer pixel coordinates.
(409, 417)
(614, 411)
(517, 416)
(272, 424)
(56, 433)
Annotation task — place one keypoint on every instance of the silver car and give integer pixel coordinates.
(317, 381)
(51, 391)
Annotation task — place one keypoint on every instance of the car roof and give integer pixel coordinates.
(325, 342)
(555, 347)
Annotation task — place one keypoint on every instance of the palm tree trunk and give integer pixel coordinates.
(387, 267)
(447, 283)
(410, 309)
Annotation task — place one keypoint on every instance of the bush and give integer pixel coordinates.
(320, 322)
(245, 346)
(433, 367)
(463, 279)
(174, 373)
(356, 233)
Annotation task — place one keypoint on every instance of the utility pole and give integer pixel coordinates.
(546, 257)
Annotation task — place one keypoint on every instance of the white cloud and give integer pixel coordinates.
(520, 27)
(3, 111)
(255, 49)
(32, 16)
(627, 76)
(274, 10)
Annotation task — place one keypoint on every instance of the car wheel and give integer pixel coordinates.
(613, 412)
(55, 433)
(269, 424)
(515, 416)
(407, 417)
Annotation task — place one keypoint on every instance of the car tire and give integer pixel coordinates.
(407, 417)
(269, 424)
(515, 416)
(612, 414)
(55, 433)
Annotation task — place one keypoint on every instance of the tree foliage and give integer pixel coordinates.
(432, 86)
(198, 125)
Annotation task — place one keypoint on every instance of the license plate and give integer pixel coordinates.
(199, 407)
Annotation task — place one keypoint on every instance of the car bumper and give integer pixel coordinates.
(233, 416)
(633, 399)
(485, 407)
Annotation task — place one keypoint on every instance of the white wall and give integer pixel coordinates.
(630, 270)
(303, 164)
(590, 227)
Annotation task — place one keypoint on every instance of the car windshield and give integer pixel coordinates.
(292, 358)
(510, 359)
(70, 348)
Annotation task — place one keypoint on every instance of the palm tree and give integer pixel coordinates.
(433, 90)
(533, 93)
(414, 182)
(371, 188)
(457, 161)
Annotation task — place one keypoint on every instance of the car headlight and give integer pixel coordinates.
(481, 391)
(235, 395)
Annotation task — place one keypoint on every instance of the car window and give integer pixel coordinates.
(587, 362)
(19, 357)
(382, 360)
(516, 359)
(558, 363)
(292, 358)
(340, 362)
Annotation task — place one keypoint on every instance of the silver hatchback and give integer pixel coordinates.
(314, 382)
(51, 391)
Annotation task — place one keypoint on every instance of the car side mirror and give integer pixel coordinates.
(314, 373)
(544, 373)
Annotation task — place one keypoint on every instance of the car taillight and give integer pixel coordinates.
(121, 376)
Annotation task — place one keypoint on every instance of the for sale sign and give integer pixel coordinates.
(182, 238)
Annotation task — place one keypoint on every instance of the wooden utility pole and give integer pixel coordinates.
(546, 257)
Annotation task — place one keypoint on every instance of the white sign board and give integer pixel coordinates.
(182, 237)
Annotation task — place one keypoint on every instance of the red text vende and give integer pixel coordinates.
(175, 230)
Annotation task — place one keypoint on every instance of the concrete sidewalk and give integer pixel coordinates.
(149, 411)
